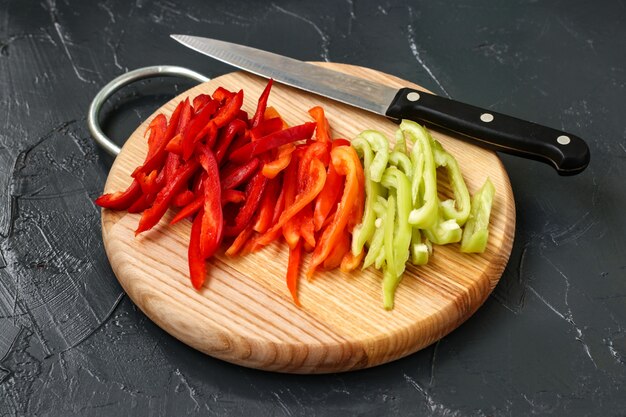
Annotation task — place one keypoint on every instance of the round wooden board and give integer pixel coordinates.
(245, 315)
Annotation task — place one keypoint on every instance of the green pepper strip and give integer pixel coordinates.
(459, 208)
(400, 160)
(380, 146)
(394, 178)
(376, 243)
(424, 181)
(444, 230)
(419, 250)
(390, 275)
(477, 226)
(364, 231)
(400, 145)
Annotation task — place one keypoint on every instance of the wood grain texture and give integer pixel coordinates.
(244, 313)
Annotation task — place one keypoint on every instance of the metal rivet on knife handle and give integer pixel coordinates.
(486, 117)
(413, 96)
(563, 140)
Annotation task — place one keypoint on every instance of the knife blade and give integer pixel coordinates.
(566, 152)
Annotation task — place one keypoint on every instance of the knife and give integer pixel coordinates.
(567, 153)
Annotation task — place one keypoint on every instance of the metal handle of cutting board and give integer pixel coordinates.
(93, 115)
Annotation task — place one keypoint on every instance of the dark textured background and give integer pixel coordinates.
(550, 340)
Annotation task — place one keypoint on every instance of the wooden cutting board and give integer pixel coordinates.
(245, 315)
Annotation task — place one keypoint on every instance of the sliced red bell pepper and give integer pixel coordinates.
(213, 218)
(254, 194)
(316, 150)
(328, 198)
(271, 113)
(273, 168)
(175, 145)
(317, 177)
(235, 175)
(340, 142)
(338, 251)
(151, 216)
(271, 141)
(221, 94)
(157, 159)
(347, 163)
(262, 104)
(196, 125)
(322, 133)
(266, 209)
(197, 264)
(120, 200)
(229, 111)
(266, 127)
(226, 136)
(293, 271)
(350, 262)
(200, 100)
(189, 210)
(307, 228)
(240, 241)
(232, 196)
(182, 199)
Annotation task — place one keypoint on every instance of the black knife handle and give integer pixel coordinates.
(567, 153)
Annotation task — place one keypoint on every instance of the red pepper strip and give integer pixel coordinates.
(240, 141)
(278, 210)
(183, 199)
(240, 241)
(356, 215)
(271, 141)
(273, 168)
(213, 219)
(209, 134)
(266, 210)
(175, 145)
(350, 262)
(347, 163)
(120, 200)
(338, 251)
(221, 94)
(148, 182)
(157, 159)
(232, 196)
(271, 113)
(197, 265)
(196, 126)
(266, 127)
(226, 136)
(172, 164)
(142, 203)
(328, 198)
(254, 193)
(340, 142)
(316, 150)
(189, 210)
(317, 175)
(262, 105)
(293, 271)
(229, 111)
(307, 229)
(151, 216)
(236, 175)
(322, 133)
(196, 186)
(200, 100)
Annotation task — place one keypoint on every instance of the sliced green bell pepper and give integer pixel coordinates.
(476, 230)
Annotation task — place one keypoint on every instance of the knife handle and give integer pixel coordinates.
(567, 153)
